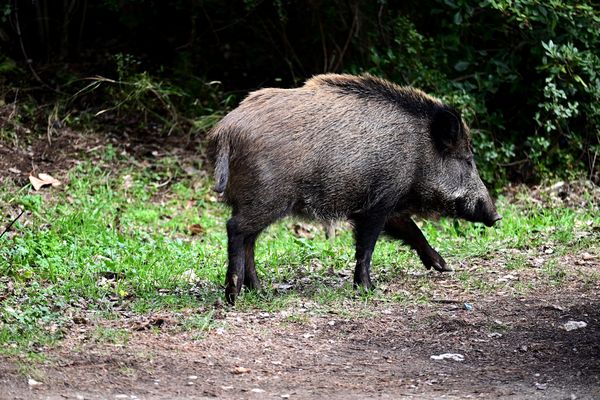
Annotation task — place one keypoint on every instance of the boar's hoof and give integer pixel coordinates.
(363, 284)
(230, 295)
(441, 267)
(252, 282)
(233, 289)
(432, 259)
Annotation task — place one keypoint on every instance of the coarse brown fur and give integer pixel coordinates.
(344, 146)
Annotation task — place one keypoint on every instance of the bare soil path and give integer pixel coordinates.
(512, 347)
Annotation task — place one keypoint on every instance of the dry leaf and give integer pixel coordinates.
(303, 231)
(190, 276)
(47, 178)
(33, 382)
(43, 180)
(196, 229)
(240, 370)
(127, 182)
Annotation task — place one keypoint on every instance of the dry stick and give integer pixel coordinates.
(27, 59)
(11, 224)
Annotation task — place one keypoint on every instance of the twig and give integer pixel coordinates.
(11, 224)
(593, 164)
(446, 301)
(354, 28)
(28, 61)
(512, 164)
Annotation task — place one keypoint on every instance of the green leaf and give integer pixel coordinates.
(580, 80)
(461, 66)
(458, 19)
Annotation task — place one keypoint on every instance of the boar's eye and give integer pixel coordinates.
(469, 160)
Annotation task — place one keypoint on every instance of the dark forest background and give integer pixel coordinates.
(525, 73)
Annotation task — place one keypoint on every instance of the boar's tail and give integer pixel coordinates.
(221, 160)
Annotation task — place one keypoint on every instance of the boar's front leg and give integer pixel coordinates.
(366, 232)
(404, 228)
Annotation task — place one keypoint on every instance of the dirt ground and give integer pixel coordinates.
(507, 345)
(515, 348)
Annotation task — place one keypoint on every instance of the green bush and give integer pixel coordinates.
(525, 74)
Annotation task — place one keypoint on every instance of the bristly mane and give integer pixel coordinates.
(370, 87)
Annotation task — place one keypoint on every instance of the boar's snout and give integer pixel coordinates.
(495, 218)
(482, 210)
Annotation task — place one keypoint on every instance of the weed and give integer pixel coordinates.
(516, 262)
(116, 336)
(556, 274)
(201, 323)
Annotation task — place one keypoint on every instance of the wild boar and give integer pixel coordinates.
(344, 147)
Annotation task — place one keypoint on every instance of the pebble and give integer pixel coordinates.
(573, 325)
(449, 356)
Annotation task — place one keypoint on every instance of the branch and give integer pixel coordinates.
(11, 224)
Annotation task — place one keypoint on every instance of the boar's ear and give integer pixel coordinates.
(445, 129)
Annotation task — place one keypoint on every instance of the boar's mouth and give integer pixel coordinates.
(482, 211)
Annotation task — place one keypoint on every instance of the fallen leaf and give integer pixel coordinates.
(43, 180)
(47, 178)
(33, 382)
(196, 229)
(303, 231)
(154, 322)
(190, 276)
(587, 256)
(127, 182)
(240, 370)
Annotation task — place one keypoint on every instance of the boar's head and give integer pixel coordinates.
(450, 181)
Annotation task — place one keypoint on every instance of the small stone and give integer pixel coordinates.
(541, 386)
(33, 382)
(587, 256)
(241, 370)
(257, 390)
(449, 356)
(573, 325)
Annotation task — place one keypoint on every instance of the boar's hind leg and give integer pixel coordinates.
(404, 228)
(250, 278)
(236, 254)
(366, 232)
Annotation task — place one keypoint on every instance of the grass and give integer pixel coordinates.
(120, 237)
